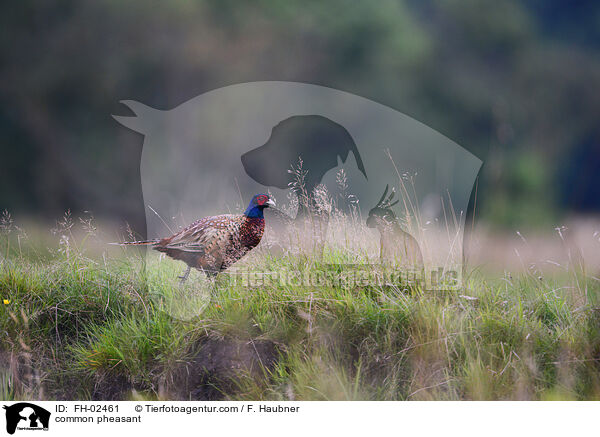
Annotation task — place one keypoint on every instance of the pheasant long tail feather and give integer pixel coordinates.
(137, 243)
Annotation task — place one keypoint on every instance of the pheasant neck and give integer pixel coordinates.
(251, 231)
(254, 212)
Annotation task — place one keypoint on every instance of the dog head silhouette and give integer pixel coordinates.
(314, 139)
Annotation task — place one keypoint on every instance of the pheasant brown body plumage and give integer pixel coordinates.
(213, 244)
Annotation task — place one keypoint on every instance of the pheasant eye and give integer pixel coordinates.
(261, 200)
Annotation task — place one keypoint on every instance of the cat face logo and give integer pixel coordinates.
(26, 416)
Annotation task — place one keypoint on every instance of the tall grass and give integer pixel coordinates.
(117, 325)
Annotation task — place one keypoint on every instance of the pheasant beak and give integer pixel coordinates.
(270, 203)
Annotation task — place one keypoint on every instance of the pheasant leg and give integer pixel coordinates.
(185, 276)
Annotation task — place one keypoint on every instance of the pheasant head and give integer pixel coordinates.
(257, 205)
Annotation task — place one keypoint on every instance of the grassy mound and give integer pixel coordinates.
(74, 327)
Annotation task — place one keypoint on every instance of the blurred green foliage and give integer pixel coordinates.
(514, 82)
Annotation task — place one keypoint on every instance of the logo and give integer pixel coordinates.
(350, 177)
(26, 416)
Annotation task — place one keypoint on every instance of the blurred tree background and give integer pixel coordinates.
(516, 83)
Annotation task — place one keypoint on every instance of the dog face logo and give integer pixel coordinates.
(316, 140)
(319, 141)
(26, 416)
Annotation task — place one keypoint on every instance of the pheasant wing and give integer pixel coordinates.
(204, 235)
(204, 243)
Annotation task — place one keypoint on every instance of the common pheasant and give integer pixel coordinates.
(212, 244)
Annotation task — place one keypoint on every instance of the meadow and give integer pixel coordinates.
(81, 320)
